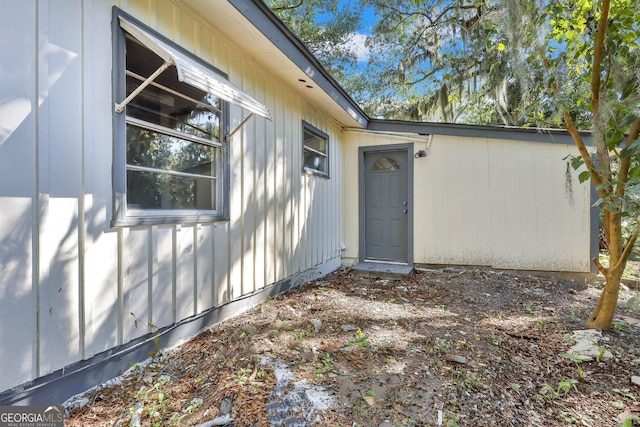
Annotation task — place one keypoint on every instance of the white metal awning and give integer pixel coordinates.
(190, 72)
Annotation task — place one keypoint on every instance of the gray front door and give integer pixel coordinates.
(386, 206)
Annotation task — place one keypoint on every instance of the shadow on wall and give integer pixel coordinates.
(60, 296)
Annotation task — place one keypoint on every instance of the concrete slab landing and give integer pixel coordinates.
(382, 268)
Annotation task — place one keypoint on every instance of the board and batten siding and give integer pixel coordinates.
(70, 285)
(486, 202)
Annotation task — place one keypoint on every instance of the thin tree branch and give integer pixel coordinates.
(433, 21)
(625, 162)
(628, 247)
(598, 54)
(586, 156)
(600, 267)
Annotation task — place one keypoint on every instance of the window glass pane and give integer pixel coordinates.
(386, 164)
(150, 190)
(315, 142)
(314, 161)
(315, 150)
(174, 112)
(163, 107)
(189, 113)
(152, 149)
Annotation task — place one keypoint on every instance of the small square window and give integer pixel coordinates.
(316, 150)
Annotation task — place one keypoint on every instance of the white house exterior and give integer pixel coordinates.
(481, 196)
(104, 247)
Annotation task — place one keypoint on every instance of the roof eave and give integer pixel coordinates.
(559, 136)
(259, 14)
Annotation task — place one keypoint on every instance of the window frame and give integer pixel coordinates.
(307, 127)
(122, 215)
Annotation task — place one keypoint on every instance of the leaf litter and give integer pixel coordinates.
(442, 347)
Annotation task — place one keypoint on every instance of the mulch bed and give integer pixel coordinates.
(443, 347)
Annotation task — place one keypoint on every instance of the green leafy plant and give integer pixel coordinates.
(153, 402)
(300, 334)
(362, 340)
(243, 377)
(194, 405)
(565, 386)
(577, 360)
(625, 393)
(322, 366)
(548, 393)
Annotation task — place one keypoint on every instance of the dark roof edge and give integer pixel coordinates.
(259, 14)
(559, 136)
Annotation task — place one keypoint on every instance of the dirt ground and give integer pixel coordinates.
(443, 347)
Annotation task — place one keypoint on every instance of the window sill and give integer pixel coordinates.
(308, 171)
(166, 220)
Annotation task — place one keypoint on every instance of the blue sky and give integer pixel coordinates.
(367, 22)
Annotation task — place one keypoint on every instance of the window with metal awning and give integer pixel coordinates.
(192, 73)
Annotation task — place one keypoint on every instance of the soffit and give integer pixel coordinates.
(227, 20)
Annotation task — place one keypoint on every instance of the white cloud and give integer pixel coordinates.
(358, 45)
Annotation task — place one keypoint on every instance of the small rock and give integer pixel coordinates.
(349, 328)
(317, 325)
(136, 420)
(635, 362)
(226, 406)
(636, 380)
(218, 421)
(458, 359)
(587, 347)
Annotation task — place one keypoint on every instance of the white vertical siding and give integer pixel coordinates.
(18, 193)
(59, 186)
(135, 316)
(93, 286)
(204, 282)
(163, 276)
(99, 260)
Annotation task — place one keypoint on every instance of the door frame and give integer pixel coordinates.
(408, 148)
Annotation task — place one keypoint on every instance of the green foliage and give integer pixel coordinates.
(323, 366)
(327, 28)
(153, 403)
(362, 340)
(458, 62)
(571, 64)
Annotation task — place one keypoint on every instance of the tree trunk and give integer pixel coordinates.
(602, 316)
